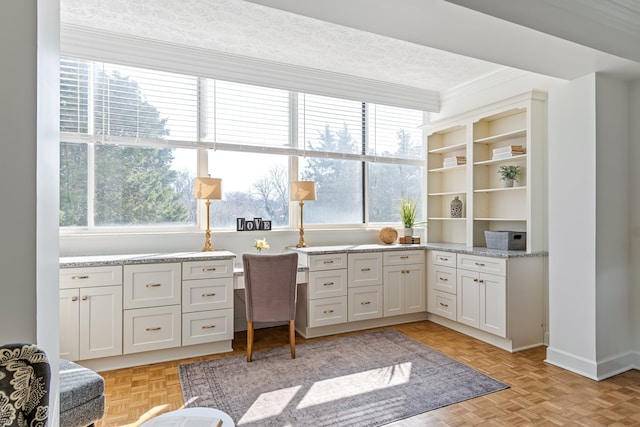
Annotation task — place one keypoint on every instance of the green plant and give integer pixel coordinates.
(408, 212)
(509, 172)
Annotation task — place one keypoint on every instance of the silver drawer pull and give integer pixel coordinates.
(208, 326)
(329, 284)
(443, 259)
(365, 303)
(153, 329)
(328, 261)
(480, 264)
(404, 257)
(153, 285)
(74, 298)
(444, 279)
(212, 294)
(328, 311)
(79, 277)
(84, 298)
(365, 269)
(444, 305)
(206, 269)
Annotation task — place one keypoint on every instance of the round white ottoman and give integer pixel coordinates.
(191, 417)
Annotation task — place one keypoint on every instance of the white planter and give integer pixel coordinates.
(408, 232)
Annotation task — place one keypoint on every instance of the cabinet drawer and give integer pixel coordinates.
(403, 257)
(207, 294)
(328, 283)
(365, 269)
(207, 326)
(327, 262)
(443, 304)
(483, 264)
(365, 302)
(151, 285)
(151, 329)
(327, 311)
(90, 276)
(207, 269)
(446, 259)
(443, 279)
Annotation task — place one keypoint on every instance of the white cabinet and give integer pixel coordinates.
(152, 300)
(498, 300)
(442, 284)
(511, 132)
(482, 301)
(90, 312)
(365, 285)
(207, 301)
(404, 287)
(323, 301)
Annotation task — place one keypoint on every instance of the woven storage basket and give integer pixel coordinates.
(388, 235)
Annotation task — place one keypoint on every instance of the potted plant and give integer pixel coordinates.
(408, 208)
(509, 174)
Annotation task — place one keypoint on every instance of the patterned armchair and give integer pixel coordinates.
(25, 377)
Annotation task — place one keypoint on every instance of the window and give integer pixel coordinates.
(134, 139)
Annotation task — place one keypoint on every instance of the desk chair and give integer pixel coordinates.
(270, 293)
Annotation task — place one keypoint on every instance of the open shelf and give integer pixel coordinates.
(502, 137)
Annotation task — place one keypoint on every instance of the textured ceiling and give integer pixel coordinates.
(248, 29)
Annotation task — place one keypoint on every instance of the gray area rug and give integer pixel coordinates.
(366, 379)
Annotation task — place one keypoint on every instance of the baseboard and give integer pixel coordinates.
(595, 370)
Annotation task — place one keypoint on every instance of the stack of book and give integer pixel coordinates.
(409, 240)
(454, 161)
(508, 151)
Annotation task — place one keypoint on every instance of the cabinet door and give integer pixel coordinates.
(152, 328)
(152, 285)
(100, 322)
(414, 291)
(493, 304)
(365, 269)
(207, 294)
(468, 298)
(365, 302)
(69, 324)
(393, 294)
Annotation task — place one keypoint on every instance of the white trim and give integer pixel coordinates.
(136, 51)
(284, 150)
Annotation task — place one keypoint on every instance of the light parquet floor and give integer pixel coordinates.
(540, 394)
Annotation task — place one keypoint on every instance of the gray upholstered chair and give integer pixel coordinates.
(270, 293)
(25, 378)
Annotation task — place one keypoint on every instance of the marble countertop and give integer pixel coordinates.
(104, 260)
(448, 247)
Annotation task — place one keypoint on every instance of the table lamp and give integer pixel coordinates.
(301, 191)
(207, 189)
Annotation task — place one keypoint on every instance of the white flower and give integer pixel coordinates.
(261, 244)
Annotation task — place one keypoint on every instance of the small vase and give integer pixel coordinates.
(456, 208)
(408, 232)
(507, 183)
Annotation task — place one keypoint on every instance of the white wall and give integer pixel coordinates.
(613, 243)
(28, 177)
(572, 226)
(634, 114)
(589, 219)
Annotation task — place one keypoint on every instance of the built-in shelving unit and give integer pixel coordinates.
(477, 144)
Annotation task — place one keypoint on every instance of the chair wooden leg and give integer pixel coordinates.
(292, 338)
(249, 340)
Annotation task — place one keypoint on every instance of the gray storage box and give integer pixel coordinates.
(506, 240)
